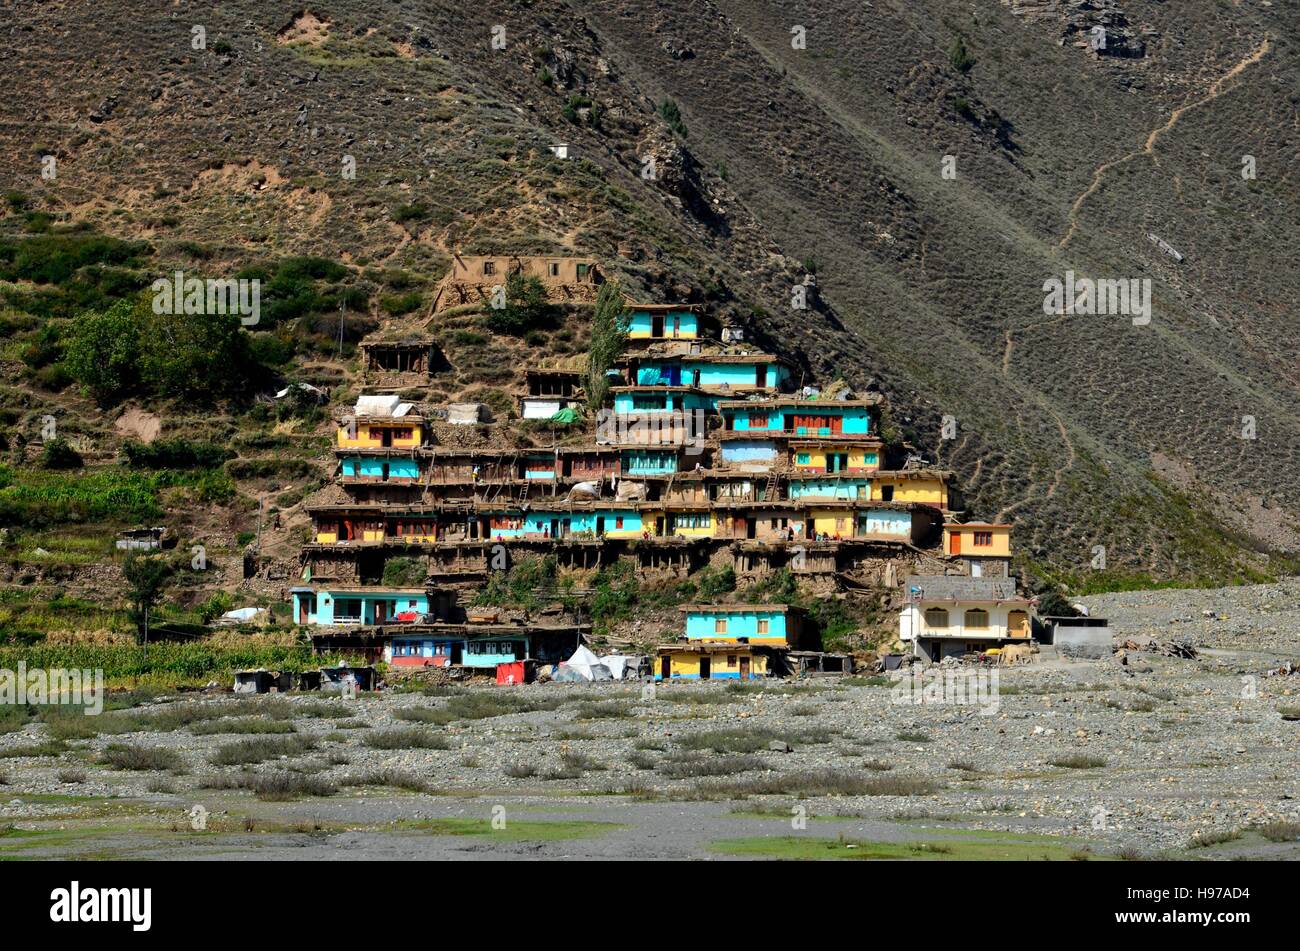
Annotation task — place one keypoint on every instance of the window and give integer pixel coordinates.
(554, 268)
(731, 660)
(977, 618)
(803, 459)
(720, 626)
(936, 618)
(347, 609)
(758, 421)
(764, 626)
(983, 539)
(489, 267)
(618, 522)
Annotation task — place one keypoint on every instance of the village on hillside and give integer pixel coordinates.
(703, 452)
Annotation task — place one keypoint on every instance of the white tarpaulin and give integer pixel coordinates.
(587, 665)
(386, 405)
(617, 664)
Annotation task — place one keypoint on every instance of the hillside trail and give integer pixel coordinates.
(1148, 148)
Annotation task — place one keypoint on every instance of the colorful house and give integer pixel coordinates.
(771, 625)
(829, 488)
(809, 456)
(379, 467)
(432, 650)
(923, 486)
(710, 661)
(648, 462)
(983, 548)
(753, 371)
(663, 322)
(791, 416)
(357, 606)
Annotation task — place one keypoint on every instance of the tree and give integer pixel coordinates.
(608, 337)
(147, 576)
(960, 57)
(196, 356)
(104, 350)
(526, 307)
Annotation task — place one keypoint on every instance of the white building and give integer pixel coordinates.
(947, 615)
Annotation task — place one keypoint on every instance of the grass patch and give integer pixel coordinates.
(252, 752)
(1077, 761)
(241, 725)
(809, 847)
(410, 738)
(142, 758)
(517, 830)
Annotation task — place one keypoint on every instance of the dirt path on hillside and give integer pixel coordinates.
(1148, 148)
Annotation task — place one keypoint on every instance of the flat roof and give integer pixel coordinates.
(867, 401)
(735, 608)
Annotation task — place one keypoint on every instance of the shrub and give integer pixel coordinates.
(960, 57)
(249, 752)
(142, 758)
(59, 454)
(412, 738)
(525, 307)
(672, 115)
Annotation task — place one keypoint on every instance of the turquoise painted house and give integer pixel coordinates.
(426, 650)
(754, 371)
(648, 462)
(774, 625)
(657, 400)
(612, 522)
(341, 608)
(380, 468)
(807, 418)
(839, 490)
(662, 322)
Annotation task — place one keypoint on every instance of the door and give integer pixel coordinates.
(386, 438)
(1017, 624)
(381, 611)
(954, 543)
(666, 668)
(706, 665)
(751, 527)
(760, 376)
(657, 325)
(600, 526)
(306, 608)
(384, 473)
(744, 668)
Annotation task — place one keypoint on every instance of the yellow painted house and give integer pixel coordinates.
(404, 433)
(811, 457)
(711, 661)
(977, 539)
(924, 487)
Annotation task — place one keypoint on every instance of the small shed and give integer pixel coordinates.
(145, 539)
(309, 680)
(1079, 636)
(517, 672)
(253, 681)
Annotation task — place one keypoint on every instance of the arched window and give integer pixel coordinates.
(936, 617)
(977, 617)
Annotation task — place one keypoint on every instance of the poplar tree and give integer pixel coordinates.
(608, 337)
